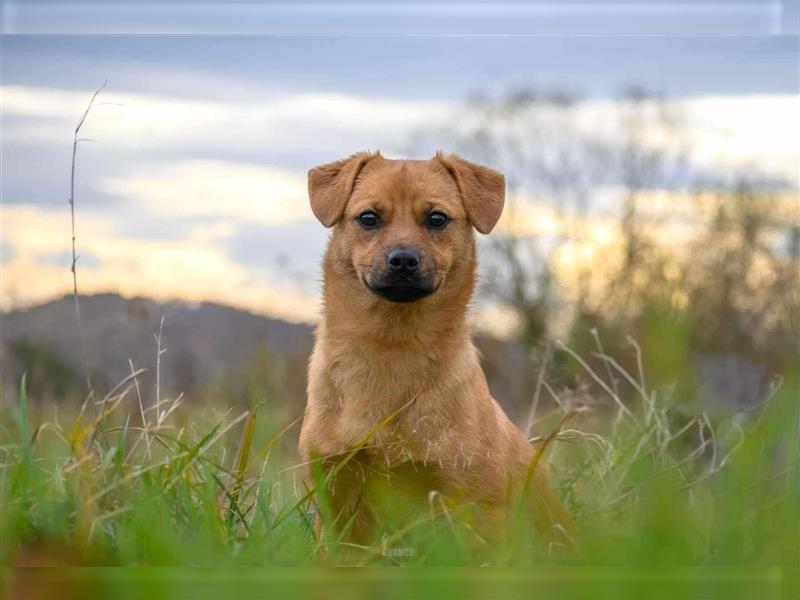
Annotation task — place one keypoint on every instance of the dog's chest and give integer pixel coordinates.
(399, 400)
(380, 375)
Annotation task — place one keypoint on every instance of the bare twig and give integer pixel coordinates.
(622, 409)
(141, 408)
(632, 341)
(159, 352)
(75, 141)
(609, 374)
(648, 401)
(538, 391)
(110, 395)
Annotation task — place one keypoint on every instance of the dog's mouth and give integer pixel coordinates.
(401, 292)
(401, 287)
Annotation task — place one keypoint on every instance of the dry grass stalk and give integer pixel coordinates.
(73, 268)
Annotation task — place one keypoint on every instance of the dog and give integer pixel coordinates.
(398, 405)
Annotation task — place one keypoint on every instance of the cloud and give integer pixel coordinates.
(6, 251)
(142, 122)
(260, 194)
(299, 244)
(719, 137)
(753, 133)
(196, 268)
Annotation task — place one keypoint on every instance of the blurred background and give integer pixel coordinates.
(652, 188)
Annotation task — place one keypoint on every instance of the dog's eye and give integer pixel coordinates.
(368, 219)
(437, 220)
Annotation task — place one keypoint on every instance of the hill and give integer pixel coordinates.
(208, 347)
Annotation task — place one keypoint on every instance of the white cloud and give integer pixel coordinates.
(754, 133)
(759, 132)
(266, 195)
(141, 122)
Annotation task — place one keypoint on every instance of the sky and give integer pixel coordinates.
(192, 182)
(381, 17)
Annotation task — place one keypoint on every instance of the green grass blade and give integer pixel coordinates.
(23, 423)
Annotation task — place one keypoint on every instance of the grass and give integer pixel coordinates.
(649, 483)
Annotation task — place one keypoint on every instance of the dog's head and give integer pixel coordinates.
(401, 227)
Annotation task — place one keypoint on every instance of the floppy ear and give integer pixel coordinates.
(482, 189)
(330, 186)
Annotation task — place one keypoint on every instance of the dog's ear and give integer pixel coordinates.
(330, 186)
(483, 190)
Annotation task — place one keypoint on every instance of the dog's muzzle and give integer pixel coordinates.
(402, 279)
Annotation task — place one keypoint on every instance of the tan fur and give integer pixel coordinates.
(404, 380)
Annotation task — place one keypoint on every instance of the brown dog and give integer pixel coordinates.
(394, 373)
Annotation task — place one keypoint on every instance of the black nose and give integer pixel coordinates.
(403, 259)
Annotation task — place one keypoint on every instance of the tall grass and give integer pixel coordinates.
(648, 483)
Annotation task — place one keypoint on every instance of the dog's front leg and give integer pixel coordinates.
(342, 515)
